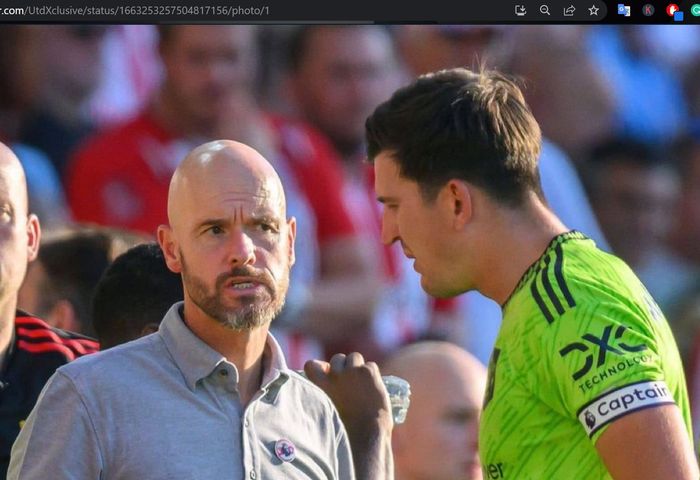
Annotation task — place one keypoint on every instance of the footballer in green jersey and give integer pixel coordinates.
(581, 345)
(585, 378)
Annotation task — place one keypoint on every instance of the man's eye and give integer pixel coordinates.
(266, 227)
(216, 230)
(5, 215)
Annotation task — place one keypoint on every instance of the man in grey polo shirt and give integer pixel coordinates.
(208, 396)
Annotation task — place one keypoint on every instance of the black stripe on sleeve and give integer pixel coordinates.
(548, 287)
(540, 303)
(560, 276)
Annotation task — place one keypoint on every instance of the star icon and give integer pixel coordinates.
(593, 10)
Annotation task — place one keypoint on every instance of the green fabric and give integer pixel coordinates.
(578, 326)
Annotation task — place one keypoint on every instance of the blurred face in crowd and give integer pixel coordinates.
(345, 72)
(19, 231)
(206, 66)
(72, 58)
(421, 227)
(228, 235)
(439, 438)
(634, 205)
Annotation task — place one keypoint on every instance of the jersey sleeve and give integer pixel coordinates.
(607, 364)
(58, 440)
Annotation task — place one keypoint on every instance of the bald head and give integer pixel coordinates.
(19, 233)
(218, 166)
(438, 441)
(229, 236)
(426, 362)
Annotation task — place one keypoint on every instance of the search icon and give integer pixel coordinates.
(544, 9)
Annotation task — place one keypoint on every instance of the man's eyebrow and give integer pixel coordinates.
(265, 217)
(209, 221)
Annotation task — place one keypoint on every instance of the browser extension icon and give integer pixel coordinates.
(623, 9)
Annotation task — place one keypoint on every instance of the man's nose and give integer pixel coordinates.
(390, 231)
(241, 249)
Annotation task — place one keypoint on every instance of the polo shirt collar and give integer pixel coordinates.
(197, 360)
(274, 363)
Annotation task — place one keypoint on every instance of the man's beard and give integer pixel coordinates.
(253, 311)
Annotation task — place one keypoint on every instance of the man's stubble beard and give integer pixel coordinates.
(249, 315)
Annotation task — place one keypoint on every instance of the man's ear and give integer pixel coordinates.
(33, 236)
(168, 244)
(457, 197)
(291, 238)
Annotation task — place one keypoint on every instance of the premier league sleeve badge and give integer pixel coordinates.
(284, 449)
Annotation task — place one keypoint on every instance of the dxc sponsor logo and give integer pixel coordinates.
(604, 345)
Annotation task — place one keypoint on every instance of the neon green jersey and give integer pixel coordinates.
(581, 345)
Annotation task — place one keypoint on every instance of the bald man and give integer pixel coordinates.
(438, 440)
(208, 396)
(30, 350)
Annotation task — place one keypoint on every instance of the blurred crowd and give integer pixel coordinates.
(100, 116)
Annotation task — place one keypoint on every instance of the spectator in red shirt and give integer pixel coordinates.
(338, 74)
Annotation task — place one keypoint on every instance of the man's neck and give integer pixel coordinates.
(242, 348)
(515, 241)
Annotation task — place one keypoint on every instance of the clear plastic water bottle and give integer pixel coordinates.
(399, 396)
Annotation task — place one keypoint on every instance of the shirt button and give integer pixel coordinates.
(252, 474)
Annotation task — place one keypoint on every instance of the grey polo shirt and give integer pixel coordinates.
(166, 406)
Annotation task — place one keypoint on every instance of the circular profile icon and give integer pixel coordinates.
(648, 10)
(695, 10)
(671, 9)
(285, 451)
